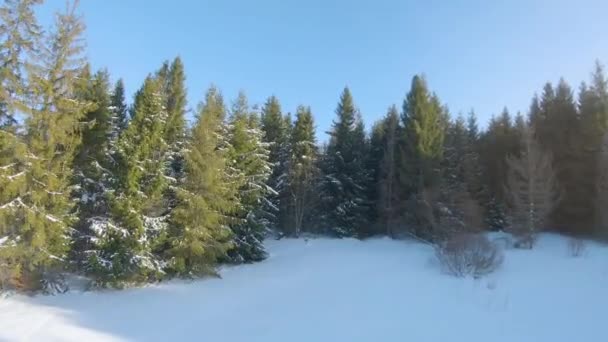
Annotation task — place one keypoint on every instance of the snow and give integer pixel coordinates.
(340, 290)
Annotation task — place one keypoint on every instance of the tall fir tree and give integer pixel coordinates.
(424, 129)
(94, 169)
(593, 109)
(276, 134)
(388, 203)
(249, 160)
(302, 170)
(199, 234)
(138, 210)
(499, 141)
(118, 106)
(19, 38)
(345, 173)
(40, 214)
(175, 131)
(558, 130)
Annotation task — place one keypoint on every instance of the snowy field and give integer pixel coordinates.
(340, 290)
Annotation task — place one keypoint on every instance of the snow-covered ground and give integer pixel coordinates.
(340, 290)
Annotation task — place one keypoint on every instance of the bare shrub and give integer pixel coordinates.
(469, 254)
(532, 188)
(576, 247)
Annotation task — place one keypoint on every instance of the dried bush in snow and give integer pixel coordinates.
(532, 188)
(468, 254)
(576, 247)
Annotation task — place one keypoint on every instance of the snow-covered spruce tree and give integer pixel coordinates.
(532, 188)
(276, 134)
(302, 169)
(39, 215)
(251, 169)
(344, 173)
(138, 207)
(198, 233)
(19, 34)
(174, 93)
(94, 168)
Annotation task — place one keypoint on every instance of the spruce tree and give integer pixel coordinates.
(175, 130)
(388, 179)
(276, 134)
(38, 216)
(199, 235)
(593, 108)
(119, 109)
(345, 173)
(138, 210)
(302, 170)
(249, 162)
(424, 122)
(558, 130)
(94, 170)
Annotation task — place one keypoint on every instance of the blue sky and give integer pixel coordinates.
(475, 54)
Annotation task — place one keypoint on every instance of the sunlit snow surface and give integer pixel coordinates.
(340, 290)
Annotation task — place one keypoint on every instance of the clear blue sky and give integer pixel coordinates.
(475, 54)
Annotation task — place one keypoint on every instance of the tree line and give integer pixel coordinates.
(131, 193)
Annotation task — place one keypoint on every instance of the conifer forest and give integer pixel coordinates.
(130, 190)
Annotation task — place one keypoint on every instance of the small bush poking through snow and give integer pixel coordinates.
(576, 247)
(469, 254)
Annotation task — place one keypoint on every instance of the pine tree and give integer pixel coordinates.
(345, 174)
(249, 159)
(302, 168)
(199, 235)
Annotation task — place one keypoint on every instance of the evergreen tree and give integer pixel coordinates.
(424, 125)
(138, 210)
(593, 109)
(345, 174)
(38, 216)
(119, 109)
(276, 135)
(558, 132)
(302, 169)
(500, 141)
(94, 170)
(19, 34)
(199, 235)
(249, 159)
(388, 178)
(374, 166)
(175, 130)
